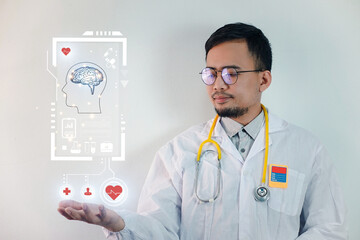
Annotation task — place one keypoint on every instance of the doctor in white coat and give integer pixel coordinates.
(304, 200)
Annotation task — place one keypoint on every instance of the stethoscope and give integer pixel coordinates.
(261, 193)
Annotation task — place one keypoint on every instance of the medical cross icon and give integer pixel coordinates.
(66, 191)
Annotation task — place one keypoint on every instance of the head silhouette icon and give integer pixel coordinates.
(85, 83)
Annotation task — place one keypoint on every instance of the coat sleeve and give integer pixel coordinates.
(158, 213)
(324, 213)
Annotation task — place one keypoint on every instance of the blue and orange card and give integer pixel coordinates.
(278, 177)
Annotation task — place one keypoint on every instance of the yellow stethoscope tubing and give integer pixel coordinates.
(263, 180)
(209, 140)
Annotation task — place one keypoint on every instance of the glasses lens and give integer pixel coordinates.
(208, 76)
(229, 75)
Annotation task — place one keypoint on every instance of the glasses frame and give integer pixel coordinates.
(237, 74)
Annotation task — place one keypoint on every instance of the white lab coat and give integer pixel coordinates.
(311, 207)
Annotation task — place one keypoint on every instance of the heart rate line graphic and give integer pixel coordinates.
(113, 191)
(66, 51)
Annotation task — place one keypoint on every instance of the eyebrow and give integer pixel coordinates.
(228, 66)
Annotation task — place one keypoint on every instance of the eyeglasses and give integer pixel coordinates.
(228, 74)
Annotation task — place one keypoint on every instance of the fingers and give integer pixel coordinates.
(70, 209)
(85, 208)
(70, 203)
(87, 212)
(92, 211)
(75, 214)
(102, 212)
(61, 210)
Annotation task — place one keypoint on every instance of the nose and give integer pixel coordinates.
(65, 89)
(219, 83)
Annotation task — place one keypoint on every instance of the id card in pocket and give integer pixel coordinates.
(278, 177)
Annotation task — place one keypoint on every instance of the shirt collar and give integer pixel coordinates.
(232, 127)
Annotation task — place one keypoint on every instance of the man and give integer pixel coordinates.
(181, 201)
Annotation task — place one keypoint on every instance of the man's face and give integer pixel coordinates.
(237, 99)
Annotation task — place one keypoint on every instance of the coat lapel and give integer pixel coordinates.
(220, 136)
(275, 124)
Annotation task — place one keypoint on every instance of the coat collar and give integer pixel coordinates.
(219, 135)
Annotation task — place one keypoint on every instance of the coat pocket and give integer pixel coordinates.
(288, 200)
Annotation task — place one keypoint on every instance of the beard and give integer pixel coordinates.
(232, 112)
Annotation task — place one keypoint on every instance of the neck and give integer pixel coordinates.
(252, 113)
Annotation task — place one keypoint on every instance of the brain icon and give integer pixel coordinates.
(87, 76)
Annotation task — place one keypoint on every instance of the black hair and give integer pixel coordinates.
(258, 45)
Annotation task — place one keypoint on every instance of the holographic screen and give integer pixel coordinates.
(88, 113)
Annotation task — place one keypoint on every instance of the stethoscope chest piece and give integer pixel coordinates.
(261, 194)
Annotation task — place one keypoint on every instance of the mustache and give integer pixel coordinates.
(222, 94)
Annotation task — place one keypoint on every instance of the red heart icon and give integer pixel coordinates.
(65, 51)
(113, 191)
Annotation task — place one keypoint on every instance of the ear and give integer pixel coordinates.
(265, 80)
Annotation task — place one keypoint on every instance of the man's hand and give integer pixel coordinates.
(91, 213)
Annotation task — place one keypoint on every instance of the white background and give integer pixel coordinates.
(315, 82)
